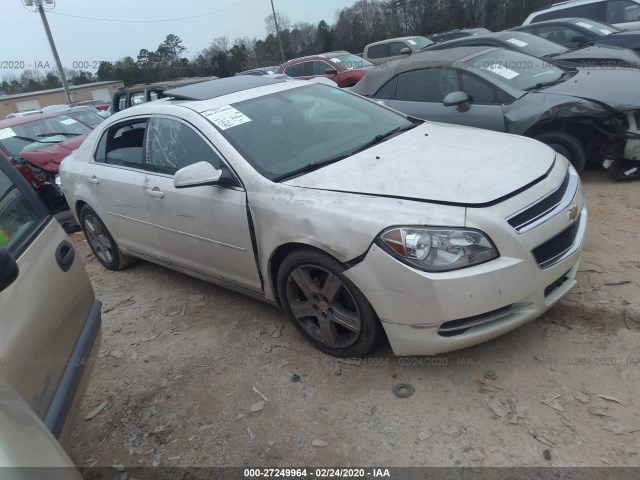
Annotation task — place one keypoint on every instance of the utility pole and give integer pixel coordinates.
(40, 7)
(275, 20)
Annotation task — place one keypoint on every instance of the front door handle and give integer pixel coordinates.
(93, 179)
(154, 192)
(65, 254)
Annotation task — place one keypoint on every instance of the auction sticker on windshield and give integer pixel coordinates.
(6, 133)
(412, 42)
(518, 43)
(502, 71)
(225, 117)
(69, 121)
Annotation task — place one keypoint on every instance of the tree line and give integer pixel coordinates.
(354, 27)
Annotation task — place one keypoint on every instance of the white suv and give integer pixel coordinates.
(624, 14)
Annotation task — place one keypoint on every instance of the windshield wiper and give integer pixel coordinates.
(383, 136)
(64, 134)
(310, 167)
(26, 139)
(560, 79)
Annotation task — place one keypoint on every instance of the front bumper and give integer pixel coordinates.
(428, 313)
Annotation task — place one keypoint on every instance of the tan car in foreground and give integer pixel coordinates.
(49, 329)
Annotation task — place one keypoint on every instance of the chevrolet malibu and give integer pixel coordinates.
(356, 220)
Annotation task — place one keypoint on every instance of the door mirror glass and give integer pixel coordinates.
(197, 175)
(459, 99)
(405, 51)
(331, 71)
(8, 269)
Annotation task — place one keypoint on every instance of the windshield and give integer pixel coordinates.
(600, 29)
(516, 69)
(350, 61)
(532, 45)
(39, 134)
(87, 117)
(419, 43)
(286, 131)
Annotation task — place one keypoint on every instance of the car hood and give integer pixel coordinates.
(439, 163)
(601, 52)
(617, 88)
(49, 158)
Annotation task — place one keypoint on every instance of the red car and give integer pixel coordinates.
(36, 144)
(99, 104)
(344, 68)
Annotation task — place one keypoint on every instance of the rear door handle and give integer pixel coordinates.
(154, 192)
(65, 254)
(93, 179)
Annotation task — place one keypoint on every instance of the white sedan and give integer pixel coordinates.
(358, 221)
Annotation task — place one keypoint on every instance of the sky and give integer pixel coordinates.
(81, 42)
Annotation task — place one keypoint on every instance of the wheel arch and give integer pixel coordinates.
(280, 253)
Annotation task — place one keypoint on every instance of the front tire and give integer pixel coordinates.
(325, 306)
(567, 145)
(101, 242)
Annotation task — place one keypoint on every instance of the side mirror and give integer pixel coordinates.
(8, 269)
(459, 99)
(331, 71)
(579, 39)
(405, 51)
(197, 175)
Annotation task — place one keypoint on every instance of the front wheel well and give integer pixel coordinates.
(279, 255)
(79, 205)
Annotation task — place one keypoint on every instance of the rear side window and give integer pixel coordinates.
(302, 69)
(378, 51)
(388, 92)
(172, 145)
(123, 145)
(18, 216)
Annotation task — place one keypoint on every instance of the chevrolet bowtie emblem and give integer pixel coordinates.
(572, 213)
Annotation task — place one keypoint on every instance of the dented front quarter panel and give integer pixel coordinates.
(343, 225)
(538, 107)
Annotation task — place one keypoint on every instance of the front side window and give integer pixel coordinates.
(18, 217)
(320, 67)
(123, 145)
(172, 145)
(427, 85)
(478, 90)
(395, 48)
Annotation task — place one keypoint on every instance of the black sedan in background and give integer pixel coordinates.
(585, 57)
(578, 32)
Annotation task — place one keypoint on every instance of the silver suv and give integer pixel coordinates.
(624, 14)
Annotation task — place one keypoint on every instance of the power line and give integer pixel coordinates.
(149, 21)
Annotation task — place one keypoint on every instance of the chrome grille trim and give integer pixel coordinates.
(547, 207)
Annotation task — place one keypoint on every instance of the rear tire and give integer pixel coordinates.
(567, 145)
(102, 244)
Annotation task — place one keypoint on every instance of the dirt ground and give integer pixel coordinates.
(182, 363)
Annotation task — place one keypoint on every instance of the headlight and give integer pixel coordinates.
(58, 182)
(439, 249)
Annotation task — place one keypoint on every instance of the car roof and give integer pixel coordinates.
(397, 39)
(319, 55)
(566, 4)
(219, 88)
(12, 122)
(500, 36)
(377, 76)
